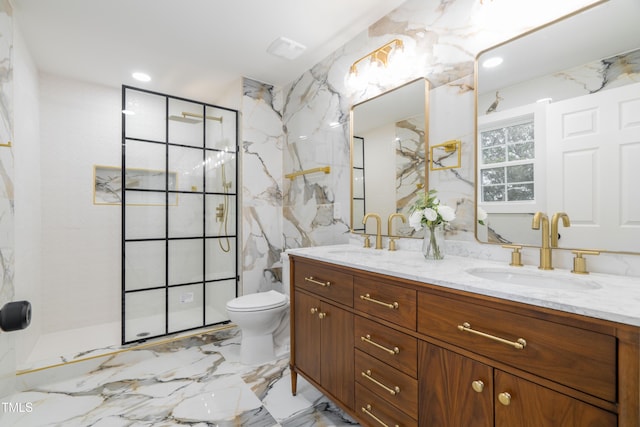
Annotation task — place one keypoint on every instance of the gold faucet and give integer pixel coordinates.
(545, 250)
(554, 226)
(378, 228)
(392, 238)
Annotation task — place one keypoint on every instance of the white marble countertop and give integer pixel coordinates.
(602, 296)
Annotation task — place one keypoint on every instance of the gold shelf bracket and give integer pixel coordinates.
(325, 169)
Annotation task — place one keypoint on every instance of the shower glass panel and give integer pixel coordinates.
(145, 115)
(215, 310)
(146, 314)
(145, 263)
(179, 207)
(185, 307)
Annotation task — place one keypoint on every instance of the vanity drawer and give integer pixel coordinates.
(395, 387)
(377, 412)
(332, 284)
(386, 301)
(388, 345)
(578, 358)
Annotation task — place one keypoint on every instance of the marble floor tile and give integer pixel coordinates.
(191, 381)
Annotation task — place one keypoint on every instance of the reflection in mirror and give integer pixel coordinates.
(558, 130)
(388, 144)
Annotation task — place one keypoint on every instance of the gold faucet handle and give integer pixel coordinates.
(516, 256)
(392, 243)
(579, 263)
(367, 241)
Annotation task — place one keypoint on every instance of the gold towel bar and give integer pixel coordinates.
(8, 144)
(325, 169)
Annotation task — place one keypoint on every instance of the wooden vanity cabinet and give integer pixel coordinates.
(458, 359)
(322, 331)
(464, 392)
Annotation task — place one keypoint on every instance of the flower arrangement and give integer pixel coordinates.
(428, 212)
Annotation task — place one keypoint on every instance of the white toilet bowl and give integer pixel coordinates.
(258, 316)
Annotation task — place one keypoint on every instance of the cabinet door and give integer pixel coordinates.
(454, 390)
(531, 405)
(337, 356)
(307, 335)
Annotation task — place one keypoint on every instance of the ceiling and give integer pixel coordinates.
(192, 48)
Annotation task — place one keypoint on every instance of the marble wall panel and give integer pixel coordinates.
(441, 40)
(262, 154)
(7, 291)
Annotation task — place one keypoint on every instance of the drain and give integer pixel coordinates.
(143, 334)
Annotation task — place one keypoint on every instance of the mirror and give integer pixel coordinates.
(558, 130)
(388, 144)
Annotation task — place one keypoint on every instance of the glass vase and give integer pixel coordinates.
(433, 243)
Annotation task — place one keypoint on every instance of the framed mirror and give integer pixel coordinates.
(558, 130)
(389, 139)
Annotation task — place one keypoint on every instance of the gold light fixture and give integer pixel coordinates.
(380, 56)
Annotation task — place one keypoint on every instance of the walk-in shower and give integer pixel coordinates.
(179, 204)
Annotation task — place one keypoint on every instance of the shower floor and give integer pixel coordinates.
(81, 343)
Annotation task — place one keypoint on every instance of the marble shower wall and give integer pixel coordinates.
(7, 292)
(443, 39)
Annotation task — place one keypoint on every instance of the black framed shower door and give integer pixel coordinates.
(179, 201)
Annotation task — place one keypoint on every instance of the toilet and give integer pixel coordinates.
(258, 316)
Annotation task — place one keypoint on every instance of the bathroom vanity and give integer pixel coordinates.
(396, 340)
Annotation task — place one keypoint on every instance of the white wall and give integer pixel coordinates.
(28, 212)
(80, 126)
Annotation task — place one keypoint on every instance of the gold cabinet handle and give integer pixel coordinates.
(368, 410)
(367, 339)
(519, 344)
(504, 398)
(322, 315)
(477, 386)
(392, 391)
(314, 310)
(367, 297)
(317, 282)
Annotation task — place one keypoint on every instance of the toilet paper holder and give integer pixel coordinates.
(15, 315)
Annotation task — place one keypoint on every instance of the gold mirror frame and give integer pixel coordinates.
(592, 10)
(390, 102)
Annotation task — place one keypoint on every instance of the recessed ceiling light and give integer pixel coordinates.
(286, 48)
(492, 62)
(143, 77)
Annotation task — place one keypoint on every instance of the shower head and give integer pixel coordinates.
(192, 118)
(184, 119)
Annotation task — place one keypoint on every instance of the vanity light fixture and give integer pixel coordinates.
(379, 57)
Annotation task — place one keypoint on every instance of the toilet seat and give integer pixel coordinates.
(258, 301)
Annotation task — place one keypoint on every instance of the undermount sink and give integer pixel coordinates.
(535, 279)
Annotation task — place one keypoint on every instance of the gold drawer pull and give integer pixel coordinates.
(367, 297)
(367, 338)
(477, 386)
(368, 410)
(392, 391)
(317, 282)
(504, 398)
(519, 344)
